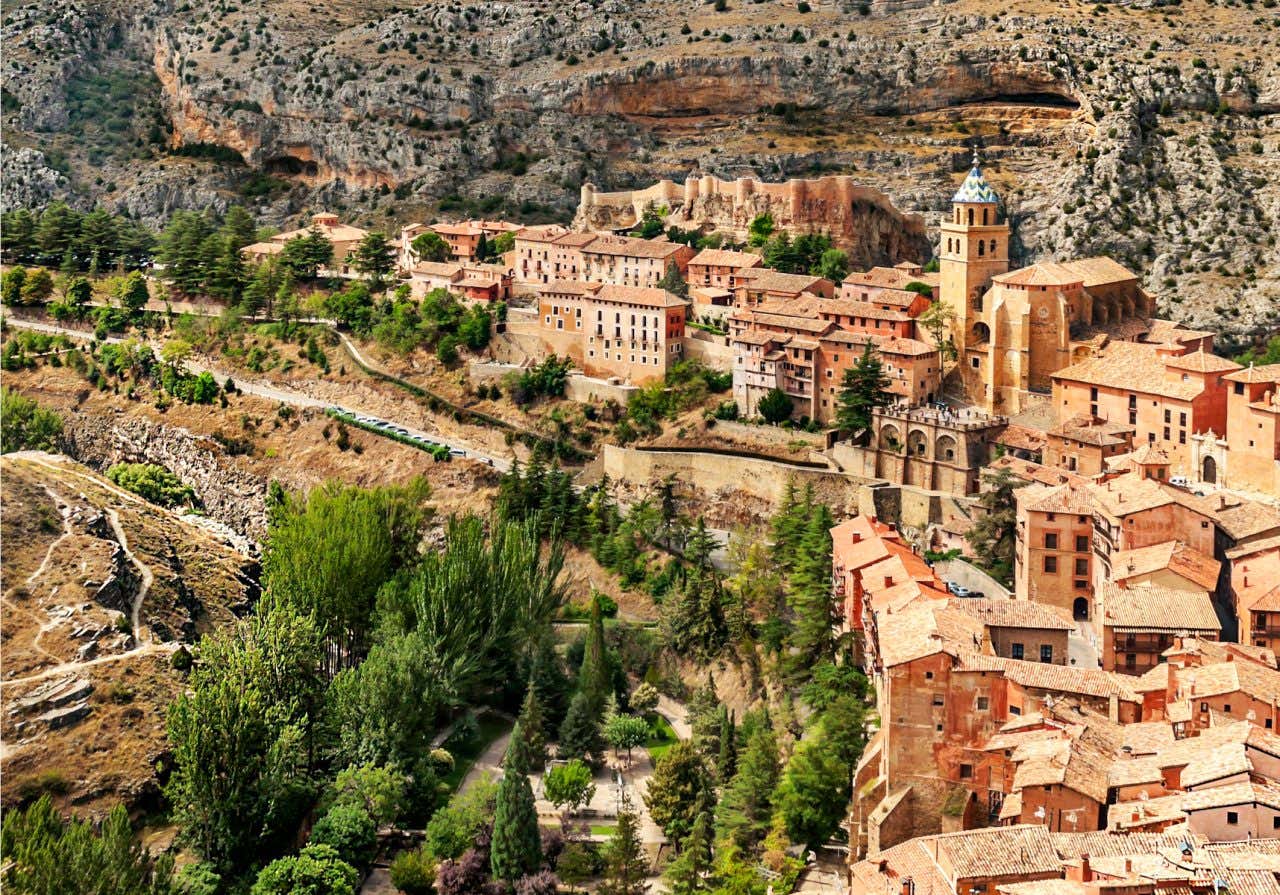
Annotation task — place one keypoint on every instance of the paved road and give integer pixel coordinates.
(276, 392)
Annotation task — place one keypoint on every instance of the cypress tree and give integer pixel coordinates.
(593, 676)
(728, 758)
(516, 848)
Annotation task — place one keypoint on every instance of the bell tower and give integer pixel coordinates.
(974, 248)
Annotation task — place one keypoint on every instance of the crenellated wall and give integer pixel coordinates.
(859, 219)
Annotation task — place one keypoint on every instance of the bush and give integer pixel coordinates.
(351, 833)
(25, 425)
(413, 872)
(454, 828)
(153, 483)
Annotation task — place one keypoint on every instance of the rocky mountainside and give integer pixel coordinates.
(100, 589)
(1149, 130)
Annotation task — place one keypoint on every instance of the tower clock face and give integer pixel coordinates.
(1043, 312)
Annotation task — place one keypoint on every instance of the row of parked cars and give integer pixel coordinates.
(959, 590)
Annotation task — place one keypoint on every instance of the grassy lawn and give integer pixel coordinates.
(465, 748)
(661, 737)
(603, 829)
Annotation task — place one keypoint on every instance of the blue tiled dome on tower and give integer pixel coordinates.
(975, 187)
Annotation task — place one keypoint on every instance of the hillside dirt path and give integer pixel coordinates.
(148, 578)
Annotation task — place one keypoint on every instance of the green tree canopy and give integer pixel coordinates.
(679, 790)
(25, 425)
(431, 246)
(569, 785)
(374, 257)
(775, 406)
(45, 855)
(316, 870)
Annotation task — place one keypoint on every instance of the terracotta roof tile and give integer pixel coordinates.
(726, 258)
(1202, 362)
(996, 613)
(1175, 556)
(1154, 607)
(639, 295)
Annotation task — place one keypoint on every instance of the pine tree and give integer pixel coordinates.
(580, 735)
(548, 679)
(520, 757)
(624, 865)
(863, 389)
(742, 816)
(516, 848)
(685, 873)
(813, 606)
(532, 725)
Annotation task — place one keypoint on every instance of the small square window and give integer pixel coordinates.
(966, 771)
(983, 703)
(928, 675)
(1233, 817)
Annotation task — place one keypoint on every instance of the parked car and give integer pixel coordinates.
(1179, 481)
(957, 588)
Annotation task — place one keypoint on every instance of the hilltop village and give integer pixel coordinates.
(1045, 521)
(1108, 722)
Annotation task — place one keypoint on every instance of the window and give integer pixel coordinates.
(1046, 653)
(1051, 541)
(975, 363)
(1204, 706)
(1051, 565)
(1130, 660)
(982, 703)
(1015, 650)
(1262, 619)
(1182, 419)
(1226, 708)
(1082, 567)
(1015, 710)
(1080, 584)
(928, 675)
(966, 771)
(1233, 817)
(937, 699)
(1082, 543)
(1168, 415)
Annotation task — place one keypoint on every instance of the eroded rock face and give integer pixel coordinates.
(1145, 132)
(227, 493)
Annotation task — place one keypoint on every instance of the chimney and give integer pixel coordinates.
(1222, 501)
(908, 886)
(1128, 865)
(856, 537)
(1231, 657)
(1086, 872)
(888, 581)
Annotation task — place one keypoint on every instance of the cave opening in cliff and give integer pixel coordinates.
(1053, 100)
(291, 166)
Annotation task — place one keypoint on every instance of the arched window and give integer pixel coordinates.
(957, 214)
(993, 246)
(970, 217)
(984, 217)
(981, 246)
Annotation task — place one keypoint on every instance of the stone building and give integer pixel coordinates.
(930, 448)
(859, 219)
(344, 238)
(1247, 455)
(1138, 624)
(1013, 329)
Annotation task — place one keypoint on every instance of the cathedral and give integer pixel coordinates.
(1014, 329)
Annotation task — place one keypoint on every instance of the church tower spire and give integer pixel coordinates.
(974, 247)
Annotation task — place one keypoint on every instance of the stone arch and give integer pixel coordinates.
(944, 449)
(981, 332)
(991, 247)
(984, 217)
(1209, 471)
(970, 217)
(917, 443)
(982, 248)
(1080, 609)
(1101, 311)
(890, 438)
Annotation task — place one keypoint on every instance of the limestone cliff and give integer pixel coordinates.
(1143, 130)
